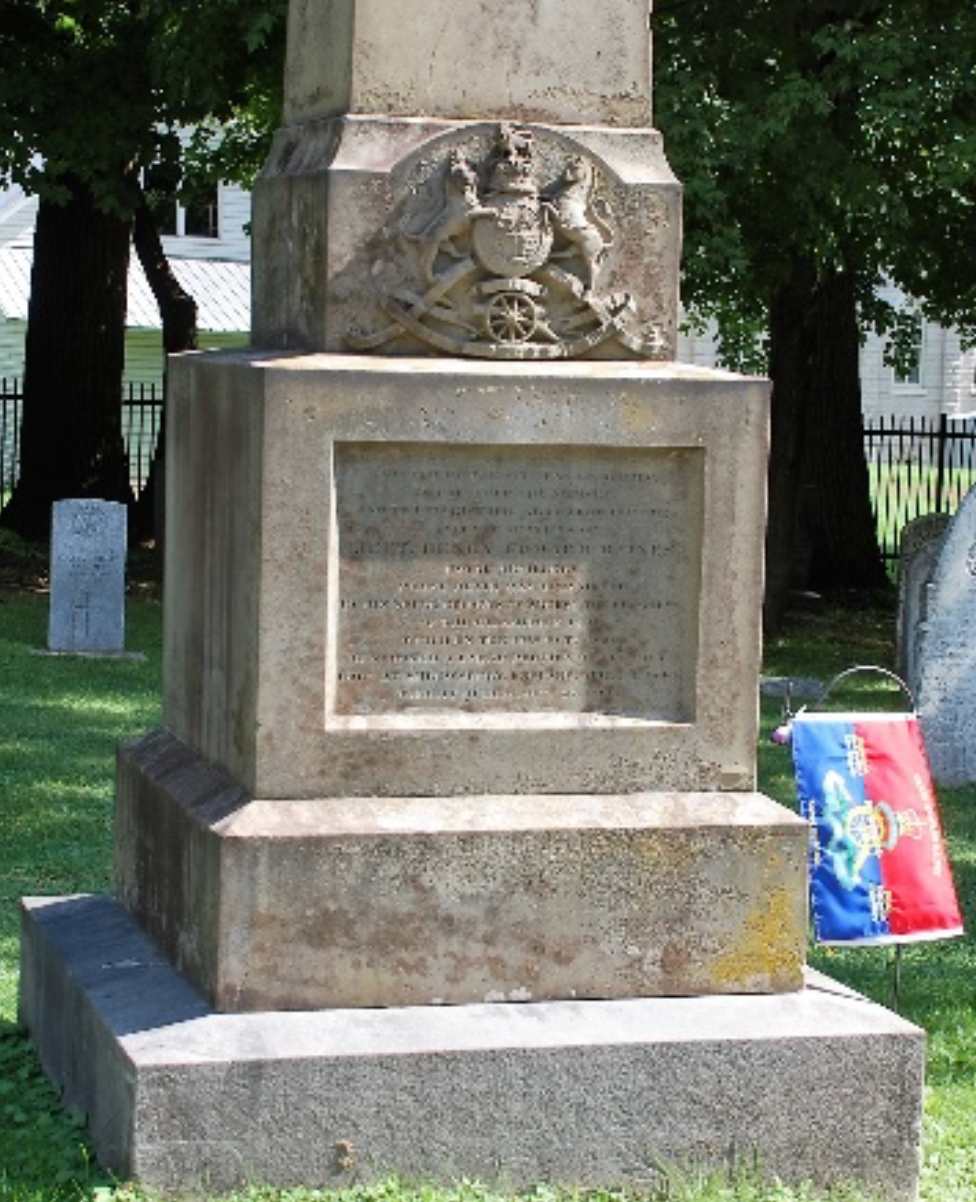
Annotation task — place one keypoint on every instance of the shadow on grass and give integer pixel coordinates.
(44, 1153)
(60, 722)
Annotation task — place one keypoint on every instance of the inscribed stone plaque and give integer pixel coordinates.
(88, 540)
(515, 580)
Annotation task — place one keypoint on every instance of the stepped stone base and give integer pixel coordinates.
(336, 902)
(819, 1084)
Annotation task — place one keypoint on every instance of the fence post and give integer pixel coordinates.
(943, 441)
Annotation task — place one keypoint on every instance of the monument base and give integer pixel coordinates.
(820, 1084)
(410, 901)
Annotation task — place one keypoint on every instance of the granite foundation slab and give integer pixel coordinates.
(820, 1084)
(335, 902)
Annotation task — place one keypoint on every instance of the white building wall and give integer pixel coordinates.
(144, 356)
(701, 349)
(234, 242)
(12, 335)
(17, 215)
(946, 378)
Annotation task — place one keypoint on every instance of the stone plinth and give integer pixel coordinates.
(416, 578)
(381, 233)
(275, 905)
(819, 1085)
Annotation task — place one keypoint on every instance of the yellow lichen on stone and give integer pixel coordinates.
(768, 953)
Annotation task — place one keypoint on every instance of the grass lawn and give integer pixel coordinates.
(60, 719)
(904, 491)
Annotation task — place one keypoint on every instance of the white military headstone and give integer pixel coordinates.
(88, 541)
(947, 654)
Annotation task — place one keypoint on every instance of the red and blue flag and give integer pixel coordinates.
(879, 869)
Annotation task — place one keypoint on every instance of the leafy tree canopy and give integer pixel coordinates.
(95, 90)
(93, 93)
(839, 131)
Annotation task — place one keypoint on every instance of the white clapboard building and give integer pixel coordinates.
(208, 248)
(942, 379)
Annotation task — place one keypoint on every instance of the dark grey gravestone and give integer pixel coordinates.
(921, 543)
(87, 614)
(947, 654)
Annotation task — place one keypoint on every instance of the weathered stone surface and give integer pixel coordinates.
(273, 905)
(396, 578)
(382, 222)
(921, 543)
(461, 665)
(88, 544)
(554, 60)
(363, 221)
(947, 655)
(819, 1084)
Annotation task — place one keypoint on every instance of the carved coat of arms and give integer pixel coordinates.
(500, 266)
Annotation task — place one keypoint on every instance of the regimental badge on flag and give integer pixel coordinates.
(878, 866)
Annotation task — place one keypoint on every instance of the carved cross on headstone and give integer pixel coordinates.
(88, 544)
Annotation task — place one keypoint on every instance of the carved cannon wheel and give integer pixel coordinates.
(511, 317)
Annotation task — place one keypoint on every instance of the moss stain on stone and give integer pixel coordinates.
(769, 949)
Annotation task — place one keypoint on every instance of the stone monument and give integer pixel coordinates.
(449, 849)
(946, 656)
(921, 542)
(88, 542)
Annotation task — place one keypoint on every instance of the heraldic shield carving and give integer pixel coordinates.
(485, 260)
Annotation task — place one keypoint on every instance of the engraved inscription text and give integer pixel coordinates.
(516, 579)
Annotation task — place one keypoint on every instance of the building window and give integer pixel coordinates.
(201, 216)
(198, 217)
(908, 371)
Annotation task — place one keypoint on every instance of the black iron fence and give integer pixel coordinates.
(9, 435)
(142, 415)
(917, 465)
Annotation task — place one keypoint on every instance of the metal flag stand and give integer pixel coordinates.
(865, 787)
(896, 978)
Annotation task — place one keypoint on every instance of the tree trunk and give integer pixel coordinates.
(71, 435)
(178, 315)
(789, 368)
(821, 532)
(835, 508)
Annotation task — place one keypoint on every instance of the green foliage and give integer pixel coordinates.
(840, 131)
(96, 90)
(60, 721)
(43, 1150)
